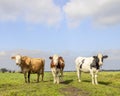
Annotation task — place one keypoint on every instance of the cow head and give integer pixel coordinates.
(21, 60)
(17, 59)
(54, 59)
(99, 59)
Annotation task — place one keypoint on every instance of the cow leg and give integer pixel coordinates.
(79, 74)
(42, 74)
(61, 71)
(58, 76)
(25, 73)
(29, 77)
(58, 79)
(96, 82)
(54, 75)
(38, 76)
(93, 77)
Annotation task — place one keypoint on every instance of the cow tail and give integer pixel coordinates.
(42, 70)
(43, 60)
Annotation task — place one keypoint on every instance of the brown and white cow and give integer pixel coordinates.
(57, 65)
(30, 65)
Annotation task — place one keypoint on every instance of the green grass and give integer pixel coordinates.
(12, 84)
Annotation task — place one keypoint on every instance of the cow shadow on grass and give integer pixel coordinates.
(104, 83)
(67, 81)
(99, 82)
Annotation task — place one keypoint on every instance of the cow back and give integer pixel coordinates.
(37, 64)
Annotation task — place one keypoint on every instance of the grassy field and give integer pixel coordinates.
(12, 84)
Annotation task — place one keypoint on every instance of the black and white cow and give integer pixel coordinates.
(90, 65)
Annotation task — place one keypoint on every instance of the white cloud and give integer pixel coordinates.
(10, 9)
(108, 13)
(37, 11)
(44, 11)
(104, 12)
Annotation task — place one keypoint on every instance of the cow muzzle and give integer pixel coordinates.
(17, 64)
(100, 64)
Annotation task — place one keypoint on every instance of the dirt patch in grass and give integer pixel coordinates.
(73, 91)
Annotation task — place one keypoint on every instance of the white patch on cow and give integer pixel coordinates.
(85, 65)
(18, 59)
(100, 56)
(55, 59)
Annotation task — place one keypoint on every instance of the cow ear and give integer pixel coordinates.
(50, 57)
(13, 57)
(105, 56)
(60, 57)
(94, 56)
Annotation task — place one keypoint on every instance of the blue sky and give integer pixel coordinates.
(71, 28)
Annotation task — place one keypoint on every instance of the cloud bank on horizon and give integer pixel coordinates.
(110, 63)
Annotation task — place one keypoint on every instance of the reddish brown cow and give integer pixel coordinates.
(57, 65)
(30, 65)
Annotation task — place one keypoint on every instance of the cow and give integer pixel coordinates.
(57, 65)
(30, 65)
(90, 65)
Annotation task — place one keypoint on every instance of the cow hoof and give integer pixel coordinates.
(96, 83)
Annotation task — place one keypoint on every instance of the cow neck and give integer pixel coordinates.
(94, 64)
(58, 66)
(23, 63)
